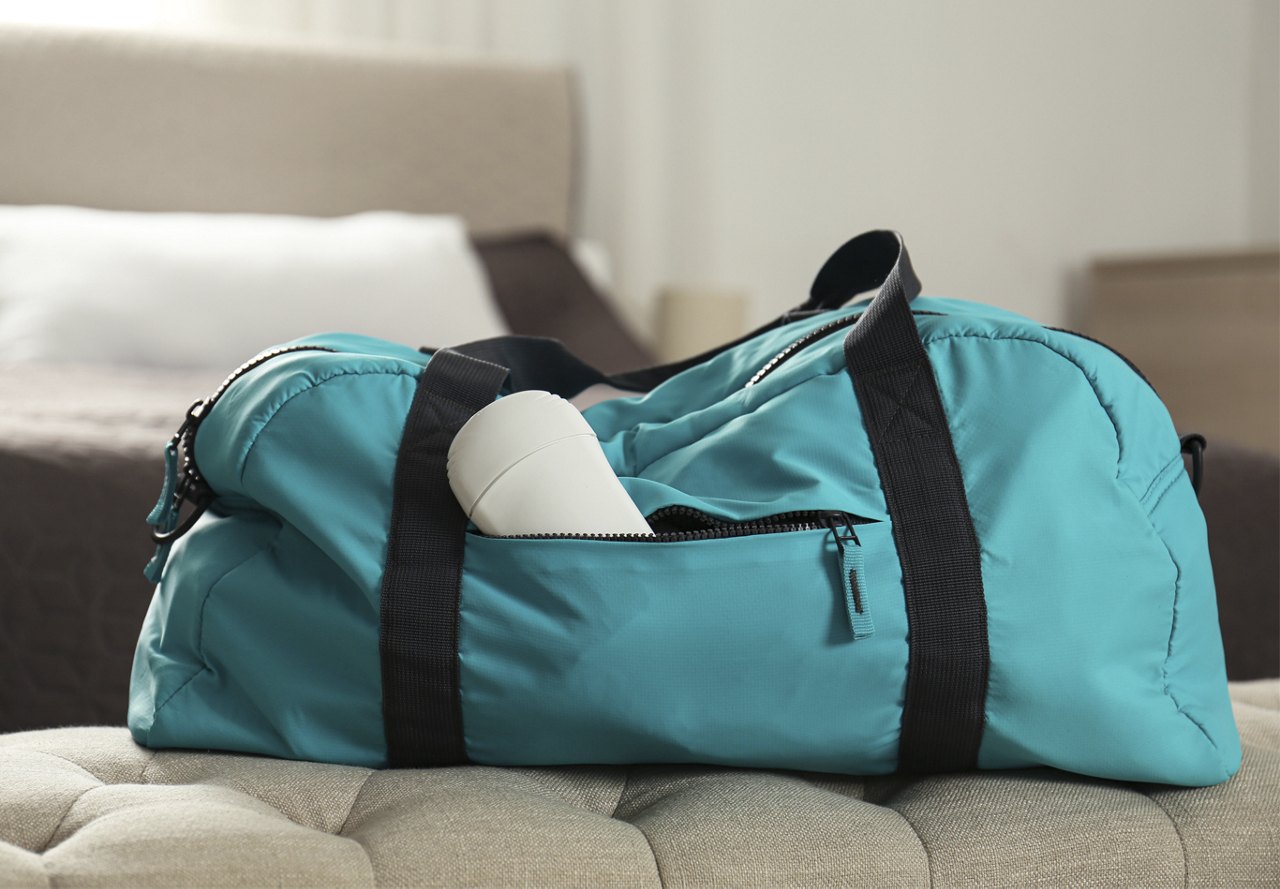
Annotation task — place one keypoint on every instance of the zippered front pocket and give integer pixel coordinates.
(675, 524)
(699, 645)
(684, 524)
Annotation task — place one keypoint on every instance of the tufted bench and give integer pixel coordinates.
(87, 807)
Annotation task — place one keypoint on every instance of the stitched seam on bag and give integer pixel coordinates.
(1093, 383)
(204, 602)
(899, 399)
(310, 385)
(1173, 483)
(1182, 841)
(1161, 484)
(160, 706)
(843, 369)
(1173, 627)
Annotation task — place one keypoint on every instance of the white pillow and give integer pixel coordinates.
(210, 290)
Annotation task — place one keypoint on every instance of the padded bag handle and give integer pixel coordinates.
(874, 259)
(422, 576)
(544, 363)
(948, 661)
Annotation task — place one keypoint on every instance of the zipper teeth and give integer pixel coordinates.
(195, 415)
(807, 340)
(253, 362)
(799, 344)
(848, 321)
(807, 520)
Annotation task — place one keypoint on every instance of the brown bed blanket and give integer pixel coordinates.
(79, 470)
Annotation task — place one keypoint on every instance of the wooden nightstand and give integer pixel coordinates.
(1205, 329)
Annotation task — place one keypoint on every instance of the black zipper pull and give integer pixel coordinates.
(182, 484)
(849, 568)
(1195, 445)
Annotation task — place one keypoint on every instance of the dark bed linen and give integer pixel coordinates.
(79, 470)
(1241, 498)
(72, 594)
(542, 292)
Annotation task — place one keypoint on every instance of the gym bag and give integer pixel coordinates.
(910, 534)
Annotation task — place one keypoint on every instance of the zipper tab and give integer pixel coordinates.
(164, 515)
(849, 568)
(183, 482)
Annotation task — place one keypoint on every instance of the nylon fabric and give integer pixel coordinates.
(1104, 652)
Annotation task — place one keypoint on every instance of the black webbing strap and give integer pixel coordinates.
(948, 658)
(536, 362)
(544, 363)
(422, 578)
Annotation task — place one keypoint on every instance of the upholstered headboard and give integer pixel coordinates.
(124, 121)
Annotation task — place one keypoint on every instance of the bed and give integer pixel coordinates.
(126, 123)
(135, 123)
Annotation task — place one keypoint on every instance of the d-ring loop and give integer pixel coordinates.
(1195, 444)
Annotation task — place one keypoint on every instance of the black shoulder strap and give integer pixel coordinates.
(422, 577)
(544, 363)
(943, 714)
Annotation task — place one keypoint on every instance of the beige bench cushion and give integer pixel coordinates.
(86, 807)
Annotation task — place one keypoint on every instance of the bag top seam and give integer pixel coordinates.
(1163, 482)
(204, 601)
(843, 369)
(310, 384)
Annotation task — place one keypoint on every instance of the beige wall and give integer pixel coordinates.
(735, 142)
(1264, 116)
(1010, 142)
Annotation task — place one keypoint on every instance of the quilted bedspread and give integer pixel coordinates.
(87, 807)
(79, 470)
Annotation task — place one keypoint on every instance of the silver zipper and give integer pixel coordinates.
(807, 340)
(848, 321)
(191, 486)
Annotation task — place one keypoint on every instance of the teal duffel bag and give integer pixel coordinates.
(909, 534)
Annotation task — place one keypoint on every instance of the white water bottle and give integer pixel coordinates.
(531, 464)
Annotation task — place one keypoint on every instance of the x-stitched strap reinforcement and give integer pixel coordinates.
(948, 658)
